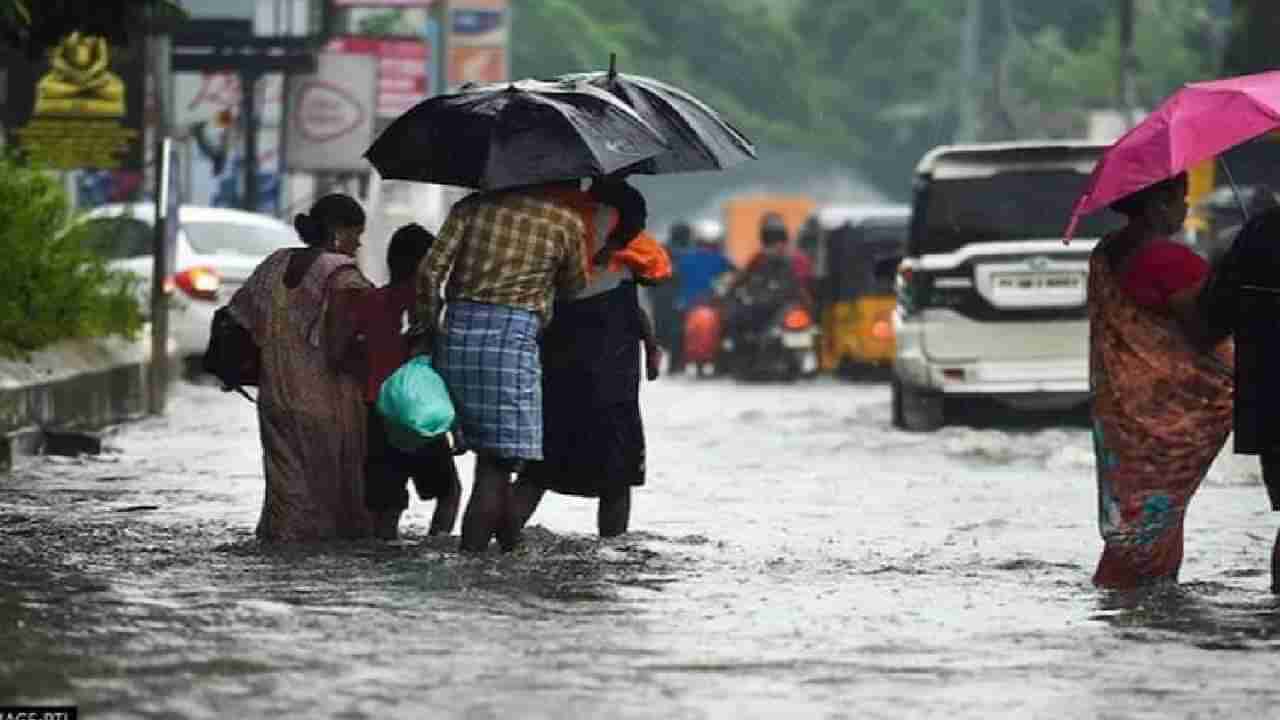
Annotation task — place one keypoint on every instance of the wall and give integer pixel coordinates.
(66, 393)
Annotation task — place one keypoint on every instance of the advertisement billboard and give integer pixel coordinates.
(479, 32)
(403, 80)
(207, 112)
(330, 122)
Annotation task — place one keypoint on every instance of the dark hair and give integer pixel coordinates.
(1133, 204)
(328, 214)
(680, 237)
(773, 231)
(408, 246)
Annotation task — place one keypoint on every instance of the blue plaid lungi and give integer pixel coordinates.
(488, 356)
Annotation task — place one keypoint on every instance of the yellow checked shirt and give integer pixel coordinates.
(514, 249)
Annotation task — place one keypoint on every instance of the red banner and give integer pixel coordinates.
(402, 70)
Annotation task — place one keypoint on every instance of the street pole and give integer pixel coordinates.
(440, 47)
(1127, 95)
(968, 130)
(249, 114)
(158, 369)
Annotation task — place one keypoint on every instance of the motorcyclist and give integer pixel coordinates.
(699, 266)
(775, 276)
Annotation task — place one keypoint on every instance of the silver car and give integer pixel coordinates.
(216, 250)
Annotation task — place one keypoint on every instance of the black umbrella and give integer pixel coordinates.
(699, 138)
(513, 134)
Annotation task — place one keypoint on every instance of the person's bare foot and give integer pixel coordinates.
(653, 361)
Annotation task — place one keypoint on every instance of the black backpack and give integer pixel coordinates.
(232, 356)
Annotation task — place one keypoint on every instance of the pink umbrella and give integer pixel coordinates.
(1199, 121)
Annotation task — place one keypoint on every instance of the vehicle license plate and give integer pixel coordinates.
(1053, 288)
(797, 341)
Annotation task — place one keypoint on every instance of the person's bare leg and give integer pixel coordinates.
(1271, 480)
(508, 529)
(1275, 565)
(486, 506)
(527, 497)
(446, 512)
(613, 514)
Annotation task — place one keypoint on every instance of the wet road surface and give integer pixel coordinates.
(793, 557)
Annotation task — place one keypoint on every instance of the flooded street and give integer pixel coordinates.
(793, 557)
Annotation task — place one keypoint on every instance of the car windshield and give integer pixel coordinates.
(232, 238)
(1020, 205)
(888, 236)
(116, 238)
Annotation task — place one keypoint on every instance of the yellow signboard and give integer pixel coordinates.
(82, 108)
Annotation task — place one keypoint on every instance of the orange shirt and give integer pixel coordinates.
(644, 256)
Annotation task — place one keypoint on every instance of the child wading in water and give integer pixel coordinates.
(380, 318)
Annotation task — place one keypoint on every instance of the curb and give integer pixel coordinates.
(61, 399)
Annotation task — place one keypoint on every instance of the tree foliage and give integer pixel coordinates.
(876, 83)
(1255, 28)
(55, 287)
(31, 26)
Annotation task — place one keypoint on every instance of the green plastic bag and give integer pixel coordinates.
(415, 404)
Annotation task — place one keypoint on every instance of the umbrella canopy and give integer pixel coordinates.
(699, 138)
(514, 134)
(1196, 123)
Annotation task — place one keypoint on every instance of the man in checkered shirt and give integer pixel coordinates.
(502, 257)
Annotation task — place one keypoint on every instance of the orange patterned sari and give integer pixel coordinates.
(1161, 413)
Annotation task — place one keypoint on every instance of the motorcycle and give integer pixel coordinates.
(771, 332)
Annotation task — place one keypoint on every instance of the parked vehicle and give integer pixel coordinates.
(216, 250)
(991, 303)
(856, 250)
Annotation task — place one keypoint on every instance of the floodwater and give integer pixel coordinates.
(793, 557)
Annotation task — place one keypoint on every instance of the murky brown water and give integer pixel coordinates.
(795, 558)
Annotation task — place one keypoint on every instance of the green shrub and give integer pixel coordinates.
(54, 287)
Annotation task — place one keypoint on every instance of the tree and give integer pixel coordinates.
(32, 26)
(874, 84)
(1252, 46)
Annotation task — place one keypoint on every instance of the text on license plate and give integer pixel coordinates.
(797, 341)
(1031, 282)
(1038, 288)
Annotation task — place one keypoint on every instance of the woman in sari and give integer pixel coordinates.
(1162, 387)
(311, 416)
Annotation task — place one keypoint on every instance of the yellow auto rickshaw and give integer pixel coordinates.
(856, 249)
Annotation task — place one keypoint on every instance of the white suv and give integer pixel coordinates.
(991, 303)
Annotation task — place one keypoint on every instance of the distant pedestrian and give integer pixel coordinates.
(312, 415)
(505, 255)
(698, 269)
(667, 319)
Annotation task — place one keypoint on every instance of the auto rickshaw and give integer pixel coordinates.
(856, 249)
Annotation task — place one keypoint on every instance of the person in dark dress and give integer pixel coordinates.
(1243, 298)
(593, 443)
